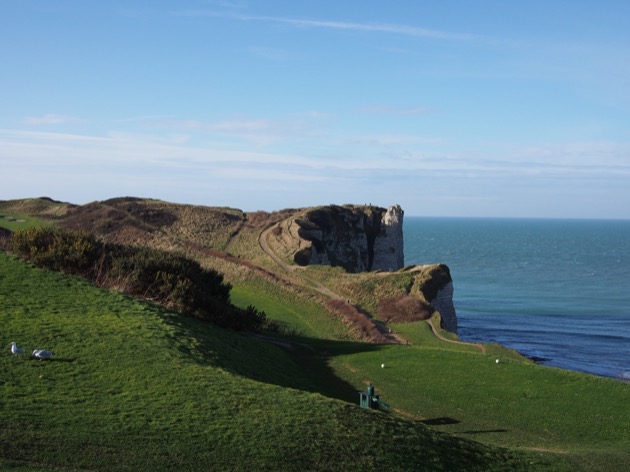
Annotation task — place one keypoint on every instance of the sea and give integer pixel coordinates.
(558, 291)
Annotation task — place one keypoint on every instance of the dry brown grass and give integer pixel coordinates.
(404, 309)
(155, 223)
(262, 219)
(362, 325)
(44, 207)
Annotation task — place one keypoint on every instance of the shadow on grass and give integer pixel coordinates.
(54, 359)
(440, 421)
(288, 361)
(315, 358)
(483, 431)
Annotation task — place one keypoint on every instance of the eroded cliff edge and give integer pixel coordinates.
(357, 238)
(364, 239)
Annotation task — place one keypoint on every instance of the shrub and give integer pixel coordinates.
(169, 279)
(73, 252)
(243, 319)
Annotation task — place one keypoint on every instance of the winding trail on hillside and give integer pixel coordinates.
(437, 334)
(316, 285)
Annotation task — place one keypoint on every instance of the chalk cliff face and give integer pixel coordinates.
(388, 245)
(443, 302)
(357, 238)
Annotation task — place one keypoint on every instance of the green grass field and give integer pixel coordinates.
(458, 389)
(299, 316)
(134, 387)
(14, 222)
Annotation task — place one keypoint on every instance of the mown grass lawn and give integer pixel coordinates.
(457, 389)
(14, 222)
(135, 387)
(514, 403)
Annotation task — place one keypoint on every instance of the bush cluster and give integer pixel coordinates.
(71, 252)
(169, 279)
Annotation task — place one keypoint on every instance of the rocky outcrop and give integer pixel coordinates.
(436, 287)
(443, 302)
(388, 246)
(357, 238)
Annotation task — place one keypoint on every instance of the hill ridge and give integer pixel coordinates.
(205, 233)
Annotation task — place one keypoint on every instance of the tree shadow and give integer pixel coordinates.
(296, 362)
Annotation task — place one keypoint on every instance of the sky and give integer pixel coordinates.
(495, 108)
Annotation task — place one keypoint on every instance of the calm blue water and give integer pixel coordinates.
(553, 289)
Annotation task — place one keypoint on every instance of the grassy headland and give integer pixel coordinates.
(136, 386)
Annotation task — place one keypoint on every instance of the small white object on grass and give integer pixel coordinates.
(497, 361)
(42, 354)
(16, 350)
(382, 366)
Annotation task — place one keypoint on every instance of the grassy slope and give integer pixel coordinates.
(516, 403)
(15, 222)
(301, 317)
(133, 387)
(450, 387)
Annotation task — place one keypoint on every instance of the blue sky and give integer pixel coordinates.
(449, 108)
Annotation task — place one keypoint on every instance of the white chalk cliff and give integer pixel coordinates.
(357, 238)
(443, 302)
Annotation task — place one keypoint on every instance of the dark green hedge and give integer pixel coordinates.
(169, 279)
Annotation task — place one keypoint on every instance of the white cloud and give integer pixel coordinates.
(261, 132)
(82, 168)
(577, 154)
(28, 149)
(368, 27)
(51, 119)
(126, 149)
(396, 139)
(389, 28)
(229, 3)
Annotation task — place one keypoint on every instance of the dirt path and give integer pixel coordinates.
(263, 241)
(438, 335)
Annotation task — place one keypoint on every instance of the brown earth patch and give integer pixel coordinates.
(404, 309)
